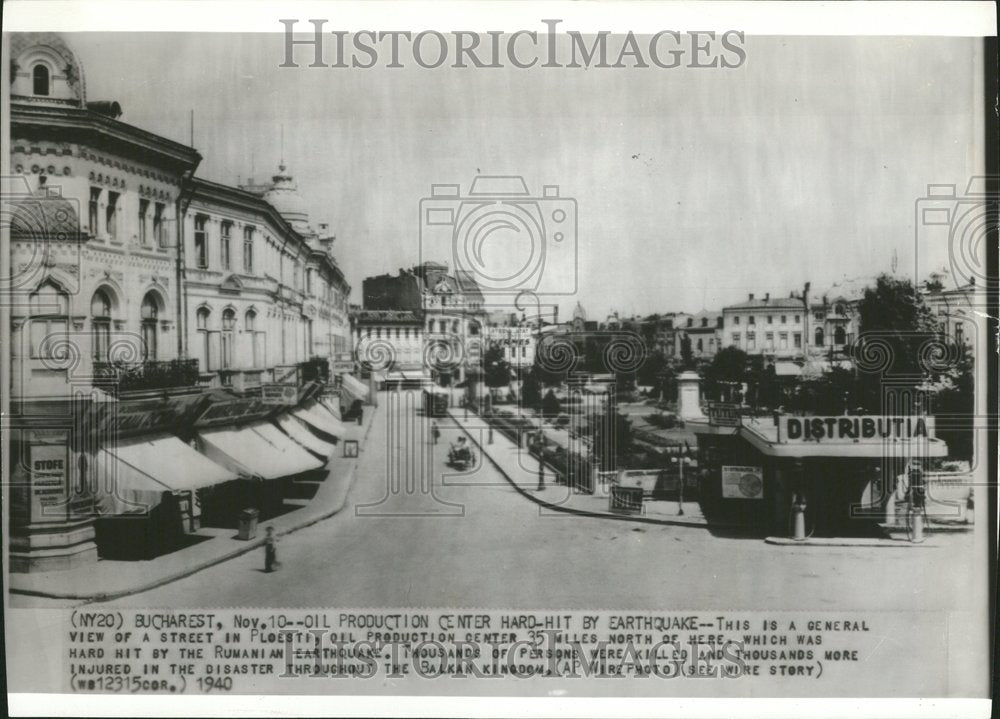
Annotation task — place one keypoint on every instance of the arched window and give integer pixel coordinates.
(204, 348)
(839, 336)
(49, 320)
(149, 312)
(40, 79)
(228, 328)
(100, 323)
(819, 337)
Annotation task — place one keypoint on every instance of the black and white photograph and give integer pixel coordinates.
(581, 355)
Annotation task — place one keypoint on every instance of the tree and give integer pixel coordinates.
(894, 325)
(531, 390)
(496, 368)
(686, 355)
(550, 404)
(730, 365)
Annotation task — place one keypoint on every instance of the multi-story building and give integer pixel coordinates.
(515, 336)
(265, 294)
(390, 342)
(767, 326)
(451, 308)
(954, 308)
(136, 287)
(701, 332)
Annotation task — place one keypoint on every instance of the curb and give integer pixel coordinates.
(249, 547)
(584, 512)
(833, 542)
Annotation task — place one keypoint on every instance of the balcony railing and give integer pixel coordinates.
(119, 377)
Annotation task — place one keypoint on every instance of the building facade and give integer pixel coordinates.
(136, 288)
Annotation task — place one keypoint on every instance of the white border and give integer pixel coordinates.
(969, 18)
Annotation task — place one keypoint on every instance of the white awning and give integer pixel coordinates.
(354, 387)
(258, 450)
(301, 434)
(321, 419)
(332, 404)
(132, 476)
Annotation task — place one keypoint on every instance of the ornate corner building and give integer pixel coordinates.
(133, 281)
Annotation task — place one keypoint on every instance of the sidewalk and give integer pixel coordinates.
(108, 579)
(521, 470)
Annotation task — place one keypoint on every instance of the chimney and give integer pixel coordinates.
(972, 280)
(767, 297)
(751, 296)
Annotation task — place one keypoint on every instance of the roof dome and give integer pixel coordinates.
(45, 69)
(284, 197)
(44, 218)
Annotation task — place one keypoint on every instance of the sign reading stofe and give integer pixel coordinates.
(49, 490)
(742, 482)
(279, 394)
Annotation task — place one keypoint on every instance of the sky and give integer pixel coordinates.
(693, 187)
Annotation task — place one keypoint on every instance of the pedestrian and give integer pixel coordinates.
(541, 475)
(271, 562)
(435, 432)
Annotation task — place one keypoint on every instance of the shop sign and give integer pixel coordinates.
(724, 414)
(48, 483)
(742, 482)
(145, 416)
(279, 394)
(854, 428)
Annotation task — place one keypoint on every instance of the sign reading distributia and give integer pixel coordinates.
(850, 429)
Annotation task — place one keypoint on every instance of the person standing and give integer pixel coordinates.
(271, 551)
(435, 432)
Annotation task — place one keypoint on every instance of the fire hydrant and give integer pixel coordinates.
(799, 516)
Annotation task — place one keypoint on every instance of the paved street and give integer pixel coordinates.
(503, 554)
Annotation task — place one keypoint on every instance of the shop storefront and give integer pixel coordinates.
(837, 470)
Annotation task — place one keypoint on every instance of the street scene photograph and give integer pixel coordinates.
(624, 353)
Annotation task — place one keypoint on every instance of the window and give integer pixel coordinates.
(959, 334)
(840, 309)
(40, 79)
(818, 316)
(100, 323)
(378, 333)
(797, 340)
(769, 339)
(111, 215)
(49, 321)
(736, 339)
(718, 322)
(752, 320)
(784, 319)
(818, 337)
(783, 340)
(94, 208)
(704, 321)
(797, 319)
(309, 283)
(770, 319)
(225, 247)
(257, 344)
(248, 249)
(159, 226)
(149, 313)
(200, 242)
(309, 338)
(690, 321)
(736, 320)
(228, 329)
(839, 336)
(751, 340)
(204, 344)
(143, 211)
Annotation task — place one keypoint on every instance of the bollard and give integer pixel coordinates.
(917, 519)
(799, 514)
